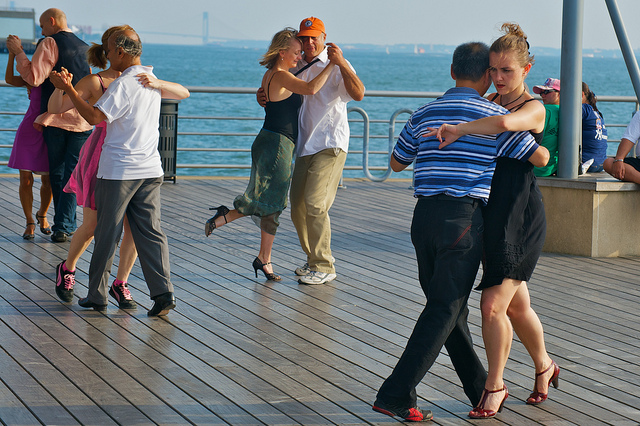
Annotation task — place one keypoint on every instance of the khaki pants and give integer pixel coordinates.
(313, 188)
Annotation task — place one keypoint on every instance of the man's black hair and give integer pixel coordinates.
(470, 61)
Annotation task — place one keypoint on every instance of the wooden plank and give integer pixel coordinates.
(242, 350)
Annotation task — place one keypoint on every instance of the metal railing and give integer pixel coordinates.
(372, 132)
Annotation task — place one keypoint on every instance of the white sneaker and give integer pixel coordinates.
(303, 270)
(585, 166)
(317, 277)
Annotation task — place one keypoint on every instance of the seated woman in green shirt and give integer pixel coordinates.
(550, 93)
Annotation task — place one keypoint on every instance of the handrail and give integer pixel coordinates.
(368, 93)
(365, 142)
(368, 134)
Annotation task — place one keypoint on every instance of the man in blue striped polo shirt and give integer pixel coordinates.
(451, 185)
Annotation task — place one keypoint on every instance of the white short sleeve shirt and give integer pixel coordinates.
(323, 116)
(130, 149)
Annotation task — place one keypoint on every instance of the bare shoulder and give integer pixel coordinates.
(533, 105)
(90, 86)
(89, 81)
(537, 111)
(265, 78)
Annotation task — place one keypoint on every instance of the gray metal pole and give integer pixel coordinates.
(571, 89)
(625, 46)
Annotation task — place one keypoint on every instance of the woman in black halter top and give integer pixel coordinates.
(271, 153)
(514, 228)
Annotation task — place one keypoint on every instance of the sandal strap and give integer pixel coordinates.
(547, 369)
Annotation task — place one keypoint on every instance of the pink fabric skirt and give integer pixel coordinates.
(84, 177)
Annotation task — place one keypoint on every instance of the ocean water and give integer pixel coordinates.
(236, 67)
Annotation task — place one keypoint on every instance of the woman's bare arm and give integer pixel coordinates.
(168, 89)
(294, 84)
(9, 77)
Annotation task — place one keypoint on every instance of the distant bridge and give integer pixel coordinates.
(170, 34)
(204, 36)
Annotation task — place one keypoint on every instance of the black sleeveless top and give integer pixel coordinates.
(282, 116)
(72, 54)
(537, 136)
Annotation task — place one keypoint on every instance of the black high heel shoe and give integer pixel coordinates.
(257, 264)
(45, 231)
(210, 225)
(26, 234)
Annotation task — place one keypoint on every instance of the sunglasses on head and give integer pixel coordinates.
(546, 92)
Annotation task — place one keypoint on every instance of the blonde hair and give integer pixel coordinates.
(280, 42)
(514, 40)
(96, 55)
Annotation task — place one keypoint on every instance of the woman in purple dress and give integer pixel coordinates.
(29, 155)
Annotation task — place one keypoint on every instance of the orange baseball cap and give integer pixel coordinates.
(311, 27)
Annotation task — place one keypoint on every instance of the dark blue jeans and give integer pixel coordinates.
(595, 168)
(64, 149)
(447, 235)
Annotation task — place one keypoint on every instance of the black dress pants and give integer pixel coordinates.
(447, 235)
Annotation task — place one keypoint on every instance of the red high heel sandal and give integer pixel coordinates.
(538, 397)
(481, 413)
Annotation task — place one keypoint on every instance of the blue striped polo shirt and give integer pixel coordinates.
(465, 167)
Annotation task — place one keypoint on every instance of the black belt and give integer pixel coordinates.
(444, 197)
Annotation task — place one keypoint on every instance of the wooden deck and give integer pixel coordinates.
(241, 350)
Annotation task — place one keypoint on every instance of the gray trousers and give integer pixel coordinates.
(140, 201)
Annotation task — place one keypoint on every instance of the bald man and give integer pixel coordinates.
(64, 133)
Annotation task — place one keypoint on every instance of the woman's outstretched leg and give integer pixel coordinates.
(228, 218)
(223, 216)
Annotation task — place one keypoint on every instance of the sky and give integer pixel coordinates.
(389, 22)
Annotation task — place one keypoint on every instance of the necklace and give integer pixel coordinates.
(509, 103)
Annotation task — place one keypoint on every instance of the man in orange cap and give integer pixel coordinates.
(322, 145)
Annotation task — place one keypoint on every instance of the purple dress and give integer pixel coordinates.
(29, 151)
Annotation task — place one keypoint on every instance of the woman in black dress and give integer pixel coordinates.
(514, 228)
